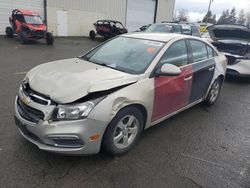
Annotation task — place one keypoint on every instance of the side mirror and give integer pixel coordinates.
(168, 70)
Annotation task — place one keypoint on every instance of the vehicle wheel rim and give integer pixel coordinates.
(126, 131)
(214, 91)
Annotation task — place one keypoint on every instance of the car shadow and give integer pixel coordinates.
(237, 80)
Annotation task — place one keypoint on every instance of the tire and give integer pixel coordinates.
(9, 32)
(92, 35)
(49, 38)
(23, 38)
(214, 92)
(126, 128)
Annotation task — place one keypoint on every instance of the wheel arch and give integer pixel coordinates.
(139, 106)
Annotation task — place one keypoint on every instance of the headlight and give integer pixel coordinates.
(74, 111)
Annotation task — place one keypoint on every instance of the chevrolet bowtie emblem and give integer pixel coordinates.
(26, 100)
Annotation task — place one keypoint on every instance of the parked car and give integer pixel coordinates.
(172, 27)
(234, 42)
(28, 25)
(108, 96)
(107, 29)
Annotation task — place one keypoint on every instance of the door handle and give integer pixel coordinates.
(211, 68)
(188, 78)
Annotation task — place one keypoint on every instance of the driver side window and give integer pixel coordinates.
(176, 54)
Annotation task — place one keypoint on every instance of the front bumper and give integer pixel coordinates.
(232, 72)
(66, 137)
(240, 69)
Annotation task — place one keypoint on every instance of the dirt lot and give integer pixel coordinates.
(201, 147)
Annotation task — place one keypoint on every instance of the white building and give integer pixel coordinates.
(76, 17)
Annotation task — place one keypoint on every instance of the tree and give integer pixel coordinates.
(248, 19)
(182, 15)
(232, 16)
(228, 17)
(223, 17)
(241, 17)
(209, 18)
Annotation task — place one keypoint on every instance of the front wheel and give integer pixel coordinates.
(123, 132)
(214, 92)
(23, 38)
(49, 38)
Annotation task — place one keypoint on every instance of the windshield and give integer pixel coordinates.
(33, 20)
(130, 55)
(161, 28)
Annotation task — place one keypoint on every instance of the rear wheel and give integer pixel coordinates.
(123, 132)
(214, 92)
(9, 32)
(92, 35)
(49, 38)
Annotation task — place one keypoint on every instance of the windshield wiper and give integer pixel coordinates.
(83, 57)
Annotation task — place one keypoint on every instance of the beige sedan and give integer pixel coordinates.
(107, 97)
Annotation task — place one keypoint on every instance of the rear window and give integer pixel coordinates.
(160, 28)
(199, 50)
(210, 52)
(195, 31)
(186, 30)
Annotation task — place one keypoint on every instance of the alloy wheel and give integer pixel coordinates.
(126, 131)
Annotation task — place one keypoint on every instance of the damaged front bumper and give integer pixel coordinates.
(239, 69)
(66, 137)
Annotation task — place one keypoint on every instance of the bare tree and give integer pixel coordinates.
(182, 15)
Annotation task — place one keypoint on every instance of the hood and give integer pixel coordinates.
(232, 32)
(68, 80)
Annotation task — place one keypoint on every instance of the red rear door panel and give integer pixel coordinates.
(171, 93)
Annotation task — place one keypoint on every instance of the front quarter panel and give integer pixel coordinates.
(140, 93)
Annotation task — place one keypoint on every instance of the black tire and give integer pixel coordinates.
(108, 142)
(9, 32)
(49, 38)
(92, 35)
(24, 38)
(214, 92)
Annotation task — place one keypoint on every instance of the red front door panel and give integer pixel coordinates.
(171, 93)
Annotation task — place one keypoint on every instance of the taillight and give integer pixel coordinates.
(232, 60)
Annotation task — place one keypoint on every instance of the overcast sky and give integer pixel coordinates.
(198, 8)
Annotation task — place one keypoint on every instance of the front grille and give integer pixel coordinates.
(35, 96)
(29, 113)
(25, 131)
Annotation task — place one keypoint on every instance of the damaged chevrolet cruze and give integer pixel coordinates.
(107, 97)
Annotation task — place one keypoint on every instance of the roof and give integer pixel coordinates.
(108, 21)
(27, 12)
(162, 37)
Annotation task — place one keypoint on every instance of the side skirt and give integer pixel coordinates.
(176, 112)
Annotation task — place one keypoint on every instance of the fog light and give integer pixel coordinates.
(66, 141)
